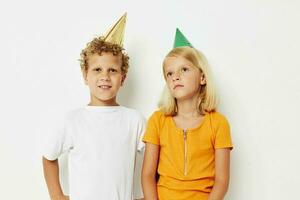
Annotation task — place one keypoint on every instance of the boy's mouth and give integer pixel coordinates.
(104, 86)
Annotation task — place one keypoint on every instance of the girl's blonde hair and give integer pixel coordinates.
(207, 95)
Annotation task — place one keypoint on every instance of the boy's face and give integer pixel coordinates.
(104, 78)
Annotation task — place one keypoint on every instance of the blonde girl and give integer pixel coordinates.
(188, 142)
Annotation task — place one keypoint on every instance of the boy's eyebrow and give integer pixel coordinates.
(114, 66)
(96, 66)
(110, 67)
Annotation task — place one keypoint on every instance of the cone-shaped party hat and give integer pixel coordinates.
(180, 40)
(116, 34)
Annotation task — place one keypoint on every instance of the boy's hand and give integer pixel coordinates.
(60, 197)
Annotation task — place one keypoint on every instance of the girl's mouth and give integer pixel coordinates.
(177, 86)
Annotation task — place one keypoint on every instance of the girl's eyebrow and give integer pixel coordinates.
(180, 66)
(166, 68)
(185, 65)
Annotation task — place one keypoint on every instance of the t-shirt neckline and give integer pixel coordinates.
(103, 108)
(190, 129)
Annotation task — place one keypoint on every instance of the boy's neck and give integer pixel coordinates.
(93, 104)
(111, 102)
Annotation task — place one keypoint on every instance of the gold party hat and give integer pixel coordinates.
(116, 34)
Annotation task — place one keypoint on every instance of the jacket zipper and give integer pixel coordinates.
(185, 151)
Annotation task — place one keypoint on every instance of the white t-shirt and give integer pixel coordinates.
(102, 142)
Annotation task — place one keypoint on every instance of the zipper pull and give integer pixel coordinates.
(185, 151)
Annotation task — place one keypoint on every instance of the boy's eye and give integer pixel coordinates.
(113, 70)
(98, 69)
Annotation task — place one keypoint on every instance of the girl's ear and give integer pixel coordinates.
(123, 79)
(84, 75)
(202, 79)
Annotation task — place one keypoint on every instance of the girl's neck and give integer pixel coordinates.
(188, 108)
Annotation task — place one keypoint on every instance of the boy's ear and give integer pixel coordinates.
(123, 79)
(84, 75)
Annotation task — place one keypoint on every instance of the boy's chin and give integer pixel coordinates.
(111, 100)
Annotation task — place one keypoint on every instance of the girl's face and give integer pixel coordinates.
(183, 78)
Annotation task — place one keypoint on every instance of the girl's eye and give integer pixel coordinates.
(185, 69)
(97, 69)
(169, 74)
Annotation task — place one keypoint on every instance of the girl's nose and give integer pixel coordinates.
(176, 76)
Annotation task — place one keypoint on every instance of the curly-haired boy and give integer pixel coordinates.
(102, 138)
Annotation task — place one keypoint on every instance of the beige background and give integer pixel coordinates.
(252, 45)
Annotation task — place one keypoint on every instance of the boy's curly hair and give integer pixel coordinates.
(97, 46)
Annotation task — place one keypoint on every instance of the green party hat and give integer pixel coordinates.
(180, 40)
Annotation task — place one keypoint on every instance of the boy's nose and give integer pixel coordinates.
(104, 77)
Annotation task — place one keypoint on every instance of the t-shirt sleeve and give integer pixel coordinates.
(152, 129)
(57, 141)
(141, 130)
(222, 133)
(137, 185)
